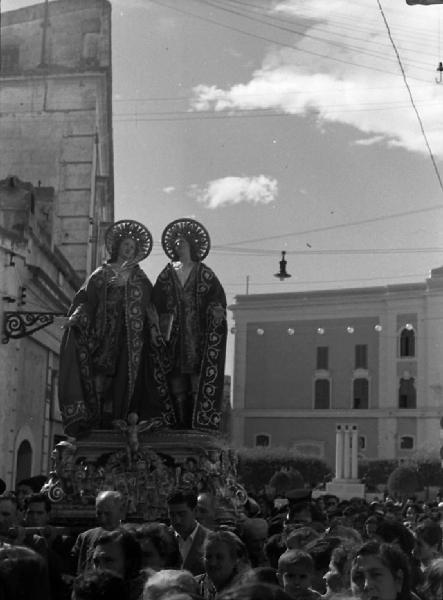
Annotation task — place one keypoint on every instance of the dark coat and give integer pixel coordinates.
(194, 561)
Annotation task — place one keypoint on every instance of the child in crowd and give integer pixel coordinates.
(295, 572)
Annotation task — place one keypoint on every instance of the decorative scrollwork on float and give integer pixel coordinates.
(17, 325)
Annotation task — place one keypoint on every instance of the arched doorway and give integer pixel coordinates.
(24, 461)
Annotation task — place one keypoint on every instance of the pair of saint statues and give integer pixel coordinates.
(155, 351)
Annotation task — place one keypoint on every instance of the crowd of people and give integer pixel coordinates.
(296, 548)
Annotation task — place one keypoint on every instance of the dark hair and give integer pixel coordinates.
(23, 574)
(393, 558)
(179, 496)
(274, 548)
(99, 584)
(295, 557)
(116, 246)
(164, 541)
(430, 532)
(129, 545)
(9, 496)
(253, 591)
(433, 580)
(34, 498)
(262, 575)
(237, 548)
(392, 531)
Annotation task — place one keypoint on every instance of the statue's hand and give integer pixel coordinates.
(117, 281)
(63, 322)
(129, 264)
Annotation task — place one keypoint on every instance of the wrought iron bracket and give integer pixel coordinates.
(24, 323)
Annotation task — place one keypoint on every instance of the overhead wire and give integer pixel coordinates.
(354, 26)
(273, 41)
(336, 226)
(425, 137)
(304, 34)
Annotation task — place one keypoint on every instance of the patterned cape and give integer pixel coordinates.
(196, 335)
(102, 318)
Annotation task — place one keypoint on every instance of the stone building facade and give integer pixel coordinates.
(56, 116)
(373, 357)
(56, 201)
(33, 278)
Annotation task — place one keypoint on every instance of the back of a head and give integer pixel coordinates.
(99, 585)
(392, 532)
(434, 580)
(255, 591)
(429, 531)
(182, 496)
(168, 581)
(23, 574)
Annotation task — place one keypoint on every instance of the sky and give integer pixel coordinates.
(312, 127)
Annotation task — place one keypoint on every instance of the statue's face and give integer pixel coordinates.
(182, 247)
(127, 249)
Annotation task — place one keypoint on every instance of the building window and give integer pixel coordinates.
(263, 440)
(407, 394)
(406, 442)
(322, 358)
(360, 393)
(361, 356)
(362, 442)
(10, 59)
(407, 343)
(322, 390)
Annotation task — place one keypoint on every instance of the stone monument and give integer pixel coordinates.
(346, 484)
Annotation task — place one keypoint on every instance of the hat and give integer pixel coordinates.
(133, 230)
(192, 231)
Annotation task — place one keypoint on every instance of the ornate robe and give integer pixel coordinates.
(196, 337)
(113, 337)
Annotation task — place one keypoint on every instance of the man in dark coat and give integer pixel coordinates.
(108, 506)
(190, 534)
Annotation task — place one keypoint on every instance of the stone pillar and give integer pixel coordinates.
(339, 452)
(347, 453)
(354, 452)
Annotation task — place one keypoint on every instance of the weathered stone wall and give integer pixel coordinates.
(55, 115)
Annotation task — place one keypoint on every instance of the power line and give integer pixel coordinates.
(328, 252)
(269, 111)
(338, 226)
(334, 90)
(431, 155)
(303, 34)
(346, 22)
(266, 39)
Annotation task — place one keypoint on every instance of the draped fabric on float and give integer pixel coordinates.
(113, 334)
(197, 340)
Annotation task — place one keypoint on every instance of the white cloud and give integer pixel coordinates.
(370, 141)
(169, 189)
(361, 86)
(233, 190)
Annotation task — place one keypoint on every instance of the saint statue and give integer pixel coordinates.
(112, 358)
(191, 304)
